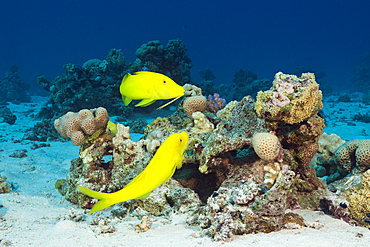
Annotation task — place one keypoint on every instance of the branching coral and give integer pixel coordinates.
(215, 103)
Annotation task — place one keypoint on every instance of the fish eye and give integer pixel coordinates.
(180, 140)
(164, 81)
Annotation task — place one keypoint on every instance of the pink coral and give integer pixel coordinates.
(215, 103)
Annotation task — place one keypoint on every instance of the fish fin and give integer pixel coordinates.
(126, 100)
(126, 76)
(168, 103)
(179, 163)
(105, 199)
(145, 102)
(170, 175)
(143, 196)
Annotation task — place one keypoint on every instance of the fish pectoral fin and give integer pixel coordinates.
(145, 102)
(168, 103)
(142, 197)
(126, 100)
(179, 163)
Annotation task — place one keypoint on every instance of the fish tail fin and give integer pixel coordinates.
(106, 199)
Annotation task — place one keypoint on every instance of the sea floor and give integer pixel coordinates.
(35, 214)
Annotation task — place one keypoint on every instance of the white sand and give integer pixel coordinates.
(31, 213)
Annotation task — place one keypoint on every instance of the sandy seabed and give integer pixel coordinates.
(33, 213)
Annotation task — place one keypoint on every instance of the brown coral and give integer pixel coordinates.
(85, 122)
(194, 103)
(357, 150)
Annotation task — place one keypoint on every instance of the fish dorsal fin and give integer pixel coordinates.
(145, 102)
(168, 103)
(126, 76)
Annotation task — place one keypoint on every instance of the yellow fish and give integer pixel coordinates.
(149, 87)
(160, 169)
(111, 128)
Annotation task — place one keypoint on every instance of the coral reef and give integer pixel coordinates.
(365, 118)
(215, 103)
(170, 60)
(288, 105)
(192, 90)
(201, 123)
(244, 190)
(225, 112)
(273, 173)
(266, 146)
(354, 153)
(4, 186)
(12, 88)
(194, 103)
(246, 83)
(359, 198)
(7, 115)
(95, 84)
(43, 131)
(138, 125)
(84, 123)
(326, 165)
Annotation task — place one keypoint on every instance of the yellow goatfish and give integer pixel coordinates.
(160, 169)
(149, 87)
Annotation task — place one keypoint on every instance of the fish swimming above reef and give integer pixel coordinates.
(148, 87)
(111, 128)
(159, 170)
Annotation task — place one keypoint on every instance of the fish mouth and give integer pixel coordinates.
(169, 102)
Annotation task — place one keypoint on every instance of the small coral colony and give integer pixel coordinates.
(233, 167)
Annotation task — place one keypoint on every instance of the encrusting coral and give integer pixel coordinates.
(359, 199)
(291, 99)
(78, 125)
(191, 90)
(352, 153)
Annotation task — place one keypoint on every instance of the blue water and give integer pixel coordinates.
(225, 36)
